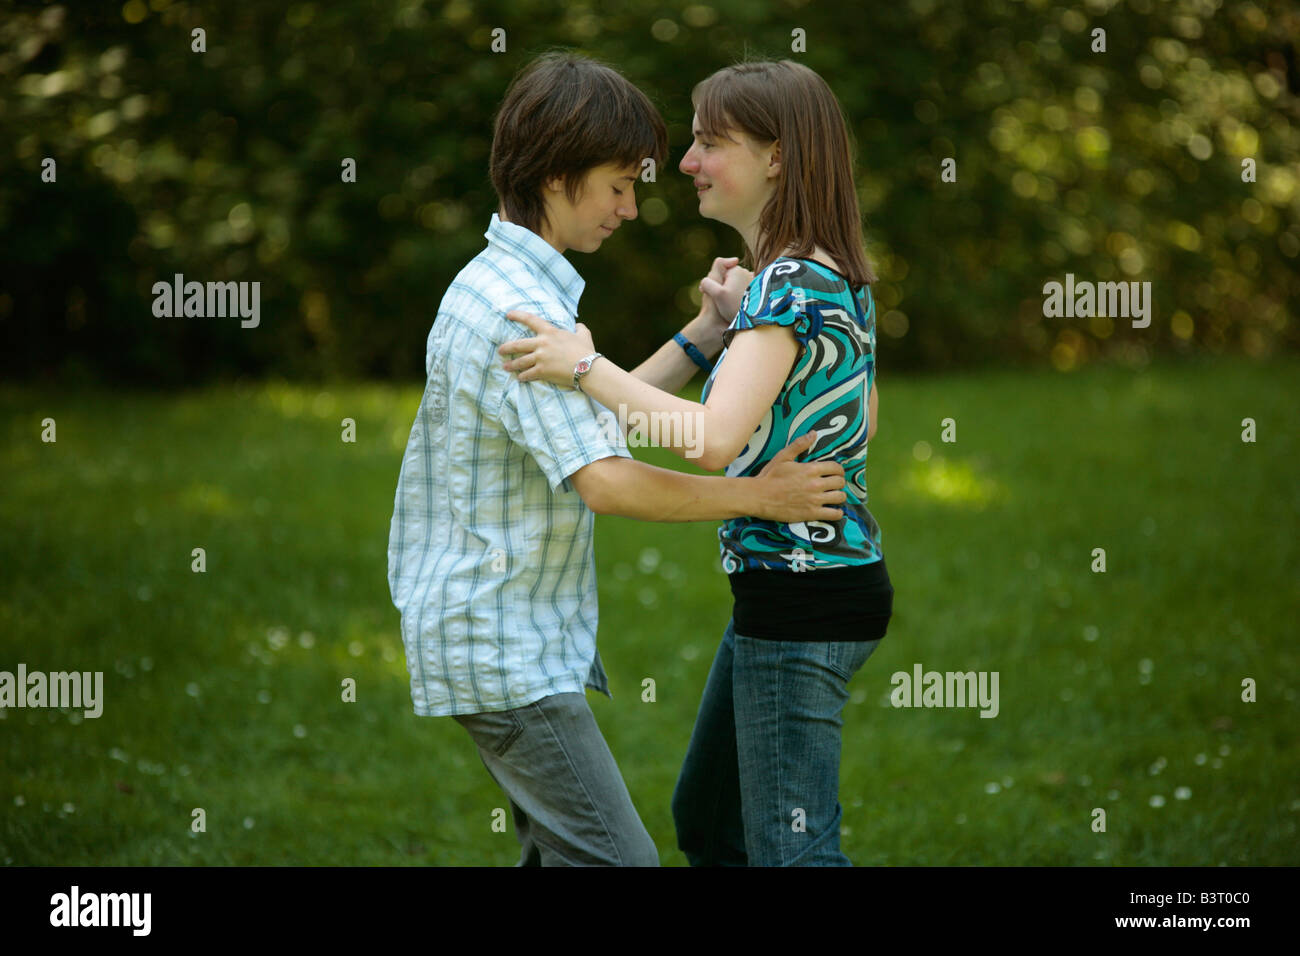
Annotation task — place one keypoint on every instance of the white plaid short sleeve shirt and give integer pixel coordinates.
(490, 554)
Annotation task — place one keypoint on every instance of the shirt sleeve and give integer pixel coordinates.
(564, 430)
(774, 297)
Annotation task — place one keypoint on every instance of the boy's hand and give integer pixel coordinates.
(706, 329)
(709, 307)
(802, 491)
(725, 289)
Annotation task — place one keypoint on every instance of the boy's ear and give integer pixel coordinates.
(555, 186)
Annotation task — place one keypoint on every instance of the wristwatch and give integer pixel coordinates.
(582, 368)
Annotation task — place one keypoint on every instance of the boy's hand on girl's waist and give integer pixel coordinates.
(802, 491)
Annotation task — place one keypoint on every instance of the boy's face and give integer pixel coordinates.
(605, 199)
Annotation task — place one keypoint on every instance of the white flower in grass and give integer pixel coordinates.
(648, 560)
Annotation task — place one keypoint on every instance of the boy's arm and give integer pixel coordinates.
(786, 490)
(743, 389)
(670, 368)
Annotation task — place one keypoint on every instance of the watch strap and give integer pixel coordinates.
(577, 375)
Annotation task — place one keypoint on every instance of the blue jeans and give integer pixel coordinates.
(760, 782)
(568, 799)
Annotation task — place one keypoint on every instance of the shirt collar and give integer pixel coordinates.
(540, 256)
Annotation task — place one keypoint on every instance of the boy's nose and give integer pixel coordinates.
(688, 165)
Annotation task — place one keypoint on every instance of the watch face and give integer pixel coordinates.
(583, 367)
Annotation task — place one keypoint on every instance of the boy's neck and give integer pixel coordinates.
(501, 215)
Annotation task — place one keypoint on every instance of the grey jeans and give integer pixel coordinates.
(568, 799)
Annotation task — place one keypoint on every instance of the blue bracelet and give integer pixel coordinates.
(696, 355)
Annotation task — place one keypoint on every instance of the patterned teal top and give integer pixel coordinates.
(827, 390)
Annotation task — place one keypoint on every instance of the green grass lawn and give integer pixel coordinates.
(1119, 691)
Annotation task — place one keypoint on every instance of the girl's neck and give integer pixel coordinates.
(819, 255)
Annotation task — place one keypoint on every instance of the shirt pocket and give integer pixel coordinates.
(437, 398)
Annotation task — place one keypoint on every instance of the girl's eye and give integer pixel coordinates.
(618, 192)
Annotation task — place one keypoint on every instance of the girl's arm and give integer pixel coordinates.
(871, 412)
(759, 361)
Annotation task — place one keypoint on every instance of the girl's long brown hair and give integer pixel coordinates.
(816, 200)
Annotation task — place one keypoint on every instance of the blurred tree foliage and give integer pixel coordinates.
(225, 165)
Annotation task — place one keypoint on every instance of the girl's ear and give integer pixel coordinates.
(774, 161)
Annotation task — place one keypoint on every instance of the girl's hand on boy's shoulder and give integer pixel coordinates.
(551, 353)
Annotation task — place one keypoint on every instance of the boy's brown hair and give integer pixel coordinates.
(563, 115)
(816, 201)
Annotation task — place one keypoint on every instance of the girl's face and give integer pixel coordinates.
(733, 177)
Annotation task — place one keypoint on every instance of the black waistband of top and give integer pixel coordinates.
(832, 604)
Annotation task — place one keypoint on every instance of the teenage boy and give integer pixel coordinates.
(490, 558)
